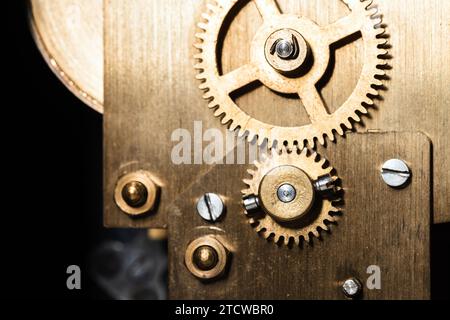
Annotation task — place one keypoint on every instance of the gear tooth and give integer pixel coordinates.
(200, 66)
(368, 101)
(252, 221)
(379, 31)
(203, 86)
(306, 238)
(206, 16)
(321, 139)
(362, 109)
(261, 140)
(219, 112)
(213, 8)
(377, 82)
(246, 192)
(311, 143)
(316, 233)
(251, 136)
(330, 135)
(201, 35)
(208, 95)
(233, 126)
(372, 12)
(212, 104)
(251, 172)
(286, 241)
(259, 228)
(202, 26)
(340, 131)
(297, 241)
(248, 182)
(225, 119)
(373, 92)
(347, 124)
(356, 118)
(198, 46)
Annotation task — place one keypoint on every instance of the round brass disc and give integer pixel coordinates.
(286, 211)
(69, 34)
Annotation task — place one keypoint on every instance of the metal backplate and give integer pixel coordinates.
(380, 226)
(151, 90)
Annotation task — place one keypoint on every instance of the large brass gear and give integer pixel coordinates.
(217, 87)
(324, 211)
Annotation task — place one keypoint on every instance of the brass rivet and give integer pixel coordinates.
(135, 194)
(205, 257)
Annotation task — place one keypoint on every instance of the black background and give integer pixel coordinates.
(52, 198)
(52, 178)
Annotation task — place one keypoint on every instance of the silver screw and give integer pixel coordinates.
(395, 173)
(352, 287)
(210, 207)
(286, 193)
(324, 183)
(251, 204)
(286, 48)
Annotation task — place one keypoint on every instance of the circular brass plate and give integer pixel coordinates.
(152, 190)
(286, 211)
(221, 258)
(69, 34)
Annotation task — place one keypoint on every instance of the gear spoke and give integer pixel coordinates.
(239, 78)
(314, 105)
(343, 28)
(267, 8)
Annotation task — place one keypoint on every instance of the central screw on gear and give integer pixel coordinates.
(286, 49)
(286, 193)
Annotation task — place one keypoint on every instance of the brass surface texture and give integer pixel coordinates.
(150, 86)
(380, 226)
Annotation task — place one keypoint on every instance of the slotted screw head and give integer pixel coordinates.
(395, 173)
(210, 207)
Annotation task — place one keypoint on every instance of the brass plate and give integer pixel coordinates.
(380, 226)
(69, 34)
(150, 91)
(151, 87)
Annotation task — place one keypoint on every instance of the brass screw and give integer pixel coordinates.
(205, 258)
(135, 194)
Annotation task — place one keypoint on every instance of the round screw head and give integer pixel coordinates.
(205, 258)
(135, 194)
(286, 193)
(284, 48)
(210, 207)
(395, 173)
(352, 287)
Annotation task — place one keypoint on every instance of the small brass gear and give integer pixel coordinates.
(218, 87)
(309, 224)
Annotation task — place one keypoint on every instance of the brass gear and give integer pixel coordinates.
(218, 87)
(324, 211)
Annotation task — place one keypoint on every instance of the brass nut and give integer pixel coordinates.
(136, 193)
(206, 258)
